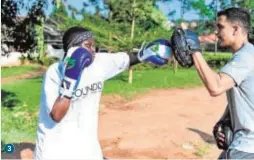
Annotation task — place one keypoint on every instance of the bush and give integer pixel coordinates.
(218, 60)
(47, 61)
(214, 60)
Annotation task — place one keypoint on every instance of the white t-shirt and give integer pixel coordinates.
(75, 136)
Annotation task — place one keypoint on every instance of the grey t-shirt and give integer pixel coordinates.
(241, 97)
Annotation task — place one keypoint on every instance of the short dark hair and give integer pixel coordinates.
(70, 34)
(238, 15)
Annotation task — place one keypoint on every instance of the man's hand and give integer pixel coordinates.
(223, 134)
(76, 60)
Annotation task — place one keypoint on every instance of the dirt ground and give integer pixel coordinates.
(30, 74)
(167, 123)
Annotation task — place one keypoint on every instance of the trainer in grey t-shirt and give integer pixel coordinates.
(241, 97)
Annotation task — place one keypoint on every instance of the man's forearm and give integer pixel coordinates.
(60, 108)
(207, 75)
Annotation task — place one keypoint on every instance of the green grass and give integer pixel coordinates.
(20, 99)
(148, 79)
(15, 71)
(201, 149)
(20, 106)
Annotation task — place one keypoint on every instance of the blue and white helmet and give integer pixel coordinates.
(158, 52)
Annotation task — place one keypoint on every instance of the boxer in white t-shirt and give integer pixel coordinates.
(71, 93)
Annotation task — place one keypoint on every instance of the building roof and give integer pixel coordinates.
(51, 33)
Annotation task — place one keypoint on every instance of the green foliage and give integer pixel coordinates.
(214, 60)
(40, 37)
(21, 31)
(114, 32)
(115, 36)
(204, 10)
(243, 3)
(145, 13)
(59, 12)
(218, 60)
(9, 11)
(218, 55)
(47, 61)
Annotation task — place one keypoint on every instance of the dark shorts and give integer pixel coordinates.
(235, 154)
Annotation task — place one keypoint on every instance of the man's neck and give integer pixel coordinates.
(239, 44)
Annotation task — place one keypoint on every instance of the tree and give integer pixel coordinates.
(9, 11)
(59, 11)
(126, 25)
(22, 31)
(38, 14)
(74, 11)
(132, 22)
(134, 12)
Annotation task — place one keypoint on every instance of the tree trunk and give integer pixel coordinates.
(132, 36)
(110, 33)
(216, 19)
(175, 65)
(132, 28)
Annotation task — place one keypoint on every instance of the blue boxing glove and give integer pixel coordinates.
(157, 52)
(76, 60)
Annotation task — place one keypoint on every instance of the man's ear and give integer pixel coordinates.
(236, 29)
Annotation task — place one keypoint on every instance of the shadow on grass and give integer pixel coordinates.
(38, 79)
(22, 150)
(206, 137)
(9, 99)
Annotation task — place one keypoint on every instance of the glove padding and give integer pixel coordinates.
(76, 60)
(157, 52)
(223, 133)
(184, 43)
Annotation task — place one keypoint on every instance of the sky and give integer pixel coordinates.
(164, 7)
